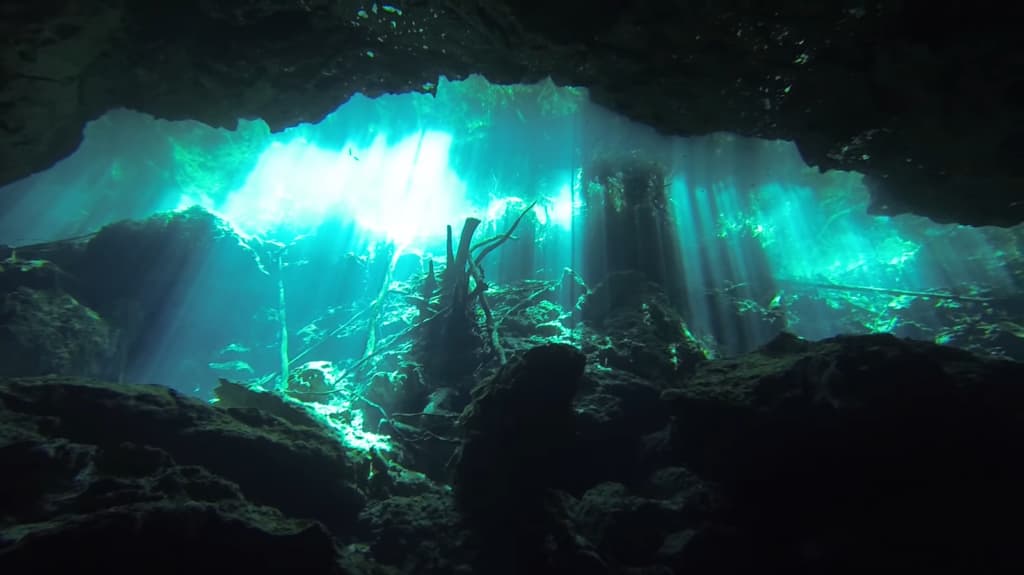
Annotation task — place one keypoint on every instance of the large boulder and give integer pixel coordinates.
(69, 445)
(518, 427)
(857, 451)
(47, 331)
(518, 430)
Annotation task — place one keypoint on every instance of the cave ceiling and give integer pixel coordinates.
(926, 99)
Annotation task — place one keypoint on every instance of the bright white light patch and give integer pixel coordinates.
(562, 207)
(404, 191)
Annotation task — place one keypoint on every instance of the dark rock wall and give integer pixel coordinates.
(924, 98)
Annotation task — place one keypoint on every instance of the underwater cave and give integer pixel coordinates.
(199, 247)
(542, 323)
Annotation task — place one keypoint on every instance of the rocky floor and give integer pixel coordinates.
(846, 455)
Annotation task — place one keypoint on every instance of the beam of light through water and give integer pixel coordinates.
(402, 192)
(765, 243)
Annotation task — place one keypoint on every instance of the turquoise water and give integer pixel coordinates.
(750, 239)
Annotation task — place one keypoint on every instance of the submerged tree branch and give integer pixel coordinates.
(496, 243)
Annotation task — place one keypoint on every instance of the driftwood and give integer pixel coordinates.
(455, 281)
(378, 304)
(887, 291)
(489, 245)
(464, 262)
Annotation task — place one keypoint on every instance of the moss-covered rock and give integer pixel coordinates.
(633, 328)
(46, 332)
(295, 465)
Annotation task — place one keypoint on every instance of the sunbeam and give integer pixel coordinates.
(743, 240)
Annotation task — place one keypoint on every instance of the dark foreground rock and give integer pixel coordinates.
(857, 452)
(117, 475)
(175, 537)
(842, 456)
(519, 428)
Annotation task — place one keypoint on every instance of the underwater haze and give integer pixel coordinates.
(250, 256)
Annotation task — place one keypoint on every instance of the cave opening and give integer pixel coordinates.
(348, 214)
